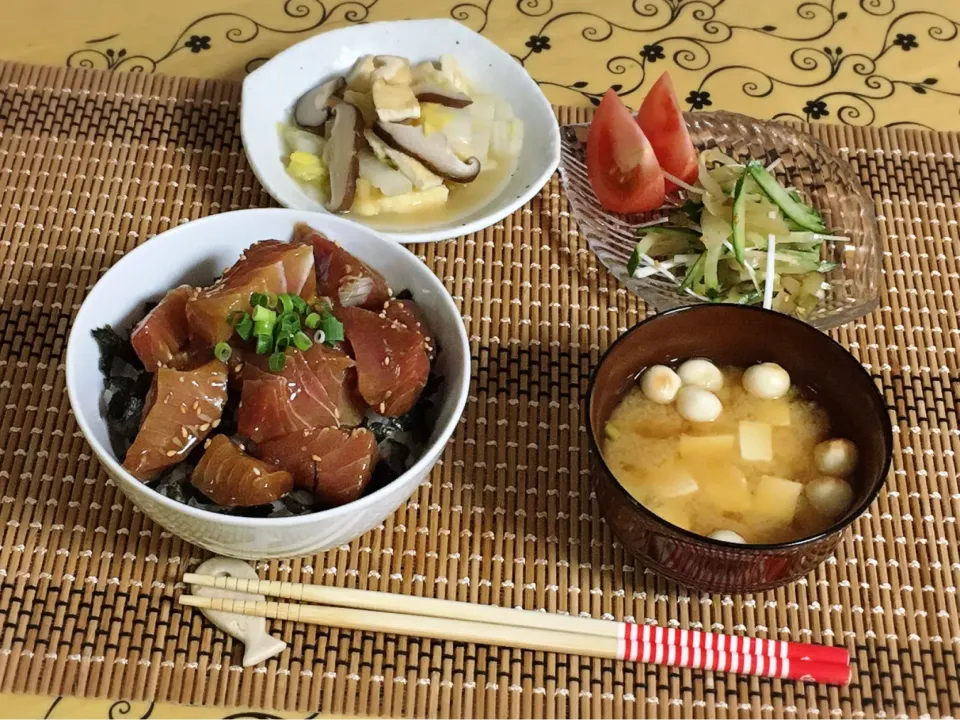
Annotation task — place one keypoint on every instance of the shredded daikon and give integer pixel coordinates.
(768, 278)
(658, 221)
(648, 271)
(680, 183)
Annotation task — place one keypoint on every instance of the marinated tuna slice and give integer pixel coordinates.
(340, 276)
(392, 364)
(163, 333)
(409, 314)
(335, 464)
(315, 389)
(181, 410)
(267, 266)
(230, 477)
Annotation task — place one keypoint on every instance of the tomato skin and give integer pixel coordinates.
(662, 122)
(621, 163)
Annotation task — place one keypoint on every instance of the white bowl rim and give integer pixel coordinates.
(494, 215)
(423, 464)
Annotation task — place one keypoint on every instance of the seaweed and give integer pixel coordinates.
(401, 440)
(125, 386)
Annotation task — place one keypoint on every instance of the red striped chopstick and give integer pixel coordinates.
(404, 614)
(637, 635)
(531, 639)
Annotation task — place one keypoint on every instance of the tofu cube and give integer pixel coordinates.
(726, 488)
(756, 441)
(774, 412)
(672, 481)
(777, 499)
(706, 446)
(395, 102)
(676, 511)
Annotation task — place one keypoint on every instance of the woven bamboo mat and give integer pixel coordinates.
(92, 164)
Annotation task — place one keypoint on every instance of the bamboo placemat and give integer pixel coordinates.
(92, 164)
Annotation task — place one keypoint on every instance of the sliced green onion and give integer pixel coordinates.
(290, 321)
(222, 351)
(258, 299)
(245, 327)
(271, 300)
(277, 362)
(332, 330)
(282, 343)
(299, 304)
(262, 314)
(302, 341)
(264, 344)
(313, 321)
(286, 302)
(319, 338)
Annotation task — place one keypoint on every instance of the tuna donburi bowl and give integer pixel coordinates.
(268, 382)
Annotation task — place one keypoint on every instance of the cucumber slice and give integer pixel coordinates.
(694, 274)
(710, 276)
(801, 214)
(642, 248)
(739, 218)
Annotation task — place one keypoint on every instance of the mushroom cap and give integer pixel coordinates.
(837, 456)
(429, 92)
(766, 380)
(343, 147)
(313, 108)
(432, 151)
(701, 372)
(698, 405)
(660, 384)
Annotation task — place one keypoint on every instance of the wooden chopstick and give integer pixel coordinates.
(439, 628)
(629, 634)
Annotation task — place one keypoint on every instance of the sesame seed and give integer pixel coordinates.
(204, 427)
(389, 393)
(383, 406)
(171, 453)
(159, 364)
(216, 423)
(315, 458)
(207, 444)
(386, 305)
(183, 431)
(386, 361)
(181, 378)
(256, 471)
(196, 404)
(183, 409)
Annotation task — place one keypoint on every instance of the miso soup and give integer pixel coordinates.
(740, 455)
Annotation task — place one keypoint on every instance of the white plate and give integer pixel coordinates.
(195, 253)
(270, 92)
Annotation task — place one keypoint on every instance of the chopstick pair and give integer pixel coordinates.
(525, 629)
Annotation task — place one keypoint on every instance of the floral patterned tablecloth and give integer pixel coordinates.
(860, 62)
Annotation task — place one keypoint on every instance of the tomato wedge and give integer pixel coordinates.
(662, 122)
(621, 164)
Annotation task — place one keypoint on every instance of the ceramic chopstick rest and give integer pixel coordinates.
(251, 631)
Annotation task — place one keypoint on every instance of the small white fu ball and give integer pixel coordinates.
(727, 536)
(698, 405)
(768, 381)
(660, 384)
(829, 496)
(702, 373)
(837, 457)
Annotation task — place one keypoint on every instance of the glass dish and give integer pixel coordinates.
(805, 162)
